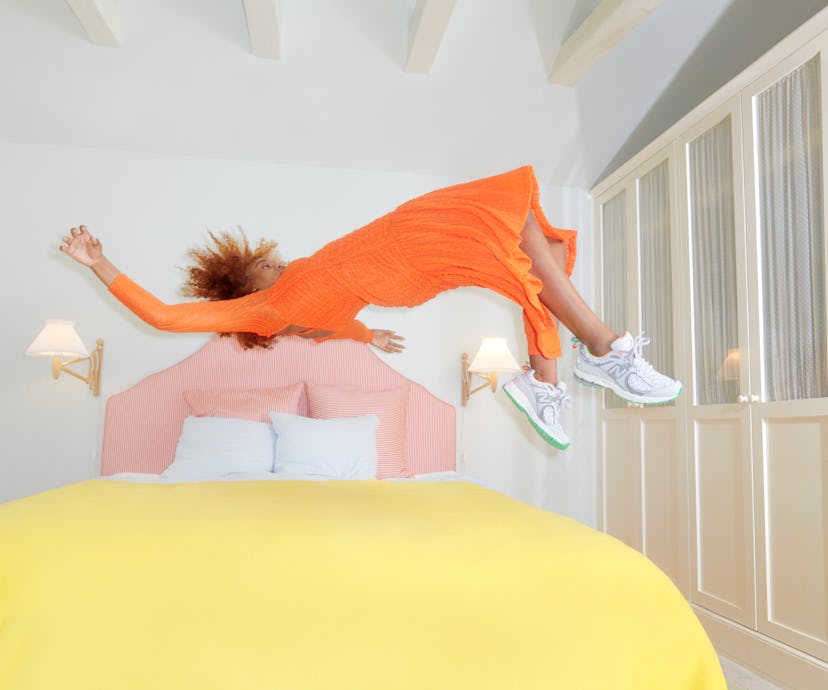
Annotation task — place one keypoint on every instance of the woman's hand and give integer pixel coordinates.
(82, 247)
(87, 250)
(387, 341)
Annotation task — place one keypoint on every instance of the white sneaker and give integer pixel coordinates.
(541, 403)
(624, 370)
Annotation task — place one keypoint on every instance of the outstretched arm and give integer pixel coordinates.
(249, 314)
(246, 314)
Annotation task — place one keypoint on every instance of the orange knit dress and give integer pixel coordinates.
(464, 235)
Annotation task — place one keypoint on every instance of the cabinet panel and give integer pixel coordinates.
(622, 479)
(664, 534)
(795, 602)
(723, 519)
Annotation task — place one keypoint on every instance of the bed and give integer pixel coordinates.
(162, 574)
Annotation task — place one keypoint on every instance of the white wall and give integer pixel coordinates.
(148, 209)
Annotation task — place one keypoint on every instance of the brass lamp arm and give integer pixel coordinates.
(491, 380)
(93, 373)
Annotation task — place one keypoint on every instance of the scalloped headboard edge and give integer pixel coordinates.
(143, 423)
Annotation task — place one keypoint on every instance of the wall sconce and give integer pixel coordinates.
(59, 339)
(492, 357)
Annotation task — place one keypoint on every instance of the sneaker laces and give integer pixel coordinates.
(642, 367)
(553, 399)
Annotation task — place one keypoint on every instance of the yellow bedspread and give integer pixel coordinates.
(329, 586)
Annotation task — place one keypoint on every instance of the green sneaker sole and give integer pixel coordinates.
(590, 384)
(541, 432)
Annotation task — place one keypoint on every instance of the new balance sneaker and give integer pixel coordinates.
(541, 403)
(624, 370)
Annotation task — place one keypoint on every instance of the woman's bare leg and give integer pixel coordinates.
(559, 295)
(546, 370)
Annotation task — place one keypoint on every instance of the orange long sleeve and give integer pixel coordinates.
(246, 314)
(252, 313)
(356, 330)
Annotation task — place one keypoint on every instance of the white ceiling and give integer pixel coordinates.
(184, 81)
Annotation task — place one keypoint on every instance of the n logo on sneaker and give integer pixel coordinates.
(619, 368)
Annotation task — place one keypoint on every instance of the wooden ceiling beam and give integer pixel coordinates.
(100, 19)
(428, 26)
(608, 23)
(264, 19)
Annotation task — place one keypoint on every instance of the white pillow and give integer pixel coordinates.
(211, 447)
(338, 448)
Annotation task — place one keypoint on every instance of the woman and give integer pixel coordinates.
(488, 233)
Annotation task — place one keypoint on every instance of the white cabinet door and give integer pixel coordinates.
(659, 312)
(643, 471)
(784, 163)
(719, 440)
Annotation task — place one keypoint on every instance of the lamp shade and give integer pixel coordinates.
(57, 339)
(493, 355)
(729, 371)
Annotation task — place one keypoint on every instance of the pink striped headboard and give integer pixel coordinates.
(143, 423)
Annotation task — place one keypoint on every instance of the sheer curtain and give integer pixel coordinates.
(614, 263)
(789, 184)
(656, 268)
(713, 234)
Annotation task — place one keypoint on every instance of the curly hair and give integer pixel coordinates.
(218, 271)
